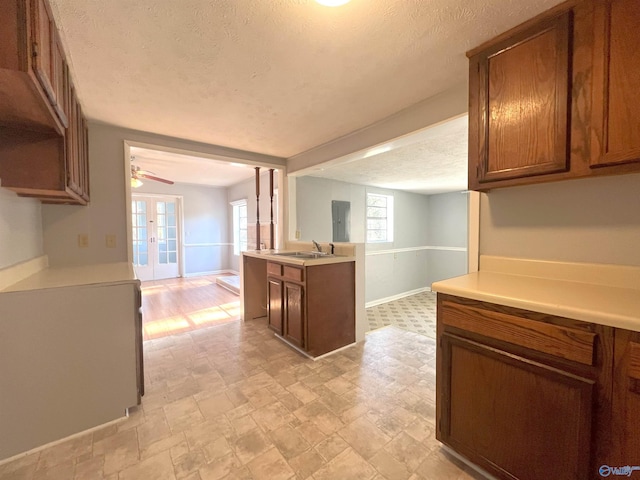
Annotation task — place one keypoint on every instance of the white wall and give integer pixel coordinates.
(107, 212)
(207, 240)
(593, 220)
(20, 229)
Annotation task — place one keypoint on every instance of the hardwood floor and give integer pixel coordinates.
(179, 305)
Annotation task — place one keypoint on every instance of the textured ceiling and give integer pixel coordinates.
(429, 162)
(189, 169)
(270, 76)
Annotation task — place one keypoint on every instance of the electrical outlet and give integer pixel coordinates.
(83, 240)
(110, 240)
(297, 234)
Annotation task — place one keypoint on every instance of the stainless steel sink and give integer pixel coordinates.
(304, 255)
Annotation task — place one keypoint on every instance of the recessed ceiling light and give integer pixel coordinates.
(332, 3)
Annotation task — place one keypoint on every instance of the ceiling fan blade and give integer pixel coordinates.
(151, 177)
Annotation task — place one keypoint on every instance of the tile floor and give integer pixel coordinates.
(233, 402)
(416, 313)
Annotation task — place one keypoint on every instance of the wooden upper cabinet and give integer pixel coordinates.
(616, 96)
(49, 60)
(519, 104)
(60, 79)
(42, 40)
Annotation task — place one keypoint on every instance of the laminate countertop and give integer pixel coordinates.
(281, 257)
(602, 294)
(58, 277)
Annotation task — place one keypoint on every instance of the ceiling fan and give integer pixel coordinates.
(137, 173)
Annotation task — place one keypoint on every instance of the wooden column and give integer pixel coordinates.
(271, 228)
(257, 208)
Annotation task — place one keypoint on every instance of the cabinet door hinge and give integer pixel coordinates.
(34, 49)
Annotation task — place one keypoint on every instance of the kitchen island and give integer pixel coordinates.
(538, 367)
(308, 300)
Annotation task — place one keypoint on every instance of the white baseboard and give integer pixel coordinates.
(380, 301)
(213, 272)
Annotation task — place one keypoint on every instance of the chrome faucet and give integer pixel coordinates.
(317, 245)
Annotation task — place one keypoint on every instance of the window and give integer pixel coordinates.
(239, 226)
(379, 218)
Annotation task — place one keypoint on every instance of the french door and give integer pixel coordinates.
(155, 236)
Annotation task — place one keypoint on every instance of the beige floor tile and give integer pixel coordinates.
(60, 471)
(120, 451)
(407, 450)
(65, 451)
(158, 467)
(271, 416)
(389, 467)
(250, 445)
(364, 437)
(220, 468)
(189, 464)
(162, 445)
(320, 416)
(21, 468)
(206, 432)
(217, 449)
(215, 405)
(305, 464)
(346, 466)
(270, 465)
(302, 393)
(310, 432)
(90, 469)
(331, 447)
(289, 442)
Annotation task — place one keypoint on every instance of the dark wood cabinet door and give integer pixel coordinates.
(274, 293)
(519, 104)
(626, 400)
(491, 406)
(43, 30)
(294, 330)
(616, 96)
(60, 79)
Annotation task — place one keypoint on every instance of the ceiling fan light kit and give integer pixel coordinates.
(137, 174)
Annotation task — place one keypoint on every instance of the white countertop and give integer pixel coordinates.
(611, 305)
(271, 256)
(106, 273)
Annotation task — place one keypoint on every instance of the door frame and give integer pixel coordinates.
(179, 224)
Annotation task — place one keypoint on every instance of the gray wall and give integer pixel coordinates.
(313, 208)
(594, 220)
(106, 214)
(448, 228)
(207, 237)
(20, 229)
(420, 222)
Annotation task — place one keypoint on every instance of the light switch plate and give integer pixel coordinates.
(83, 240)
(110, 240)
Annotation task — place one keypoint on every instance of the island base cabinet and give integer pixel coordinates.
(294, 324)
(312, 307)
(274, 312)
(516, 418)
